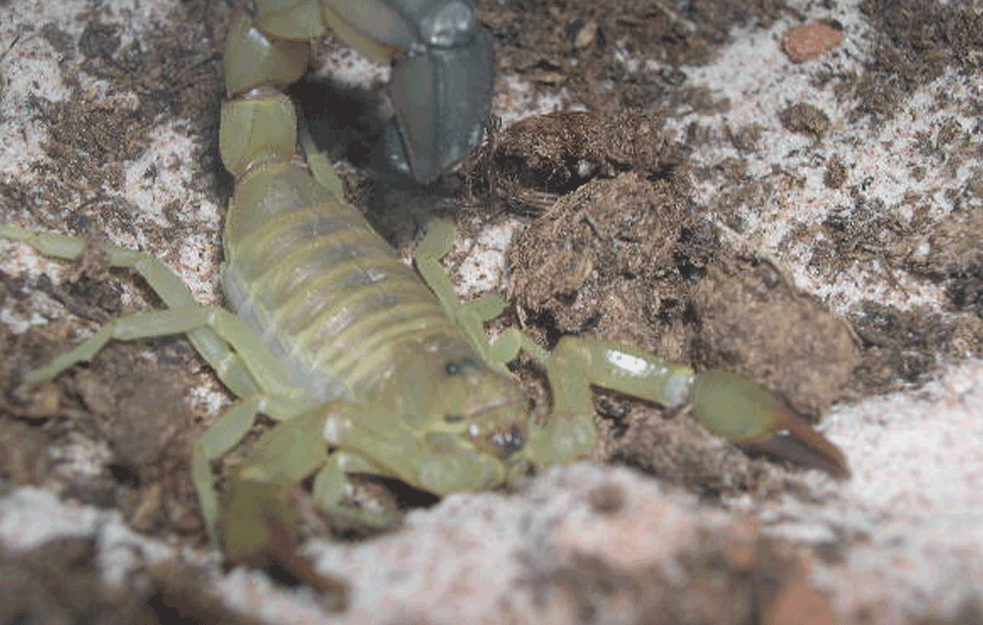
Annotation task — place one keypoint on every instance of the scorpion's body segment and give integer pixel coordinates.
(340, 341)
(330, 297)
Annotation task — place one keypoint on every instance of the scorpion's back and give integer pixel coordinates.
(327, 293)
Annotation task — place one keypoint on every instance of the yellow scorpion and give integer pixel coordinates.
(366, 368)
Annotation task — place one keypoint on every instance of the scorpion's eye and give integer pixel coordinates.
(454, 367)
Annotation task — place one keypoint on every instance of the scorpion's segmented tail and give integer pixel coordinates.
(328, 294)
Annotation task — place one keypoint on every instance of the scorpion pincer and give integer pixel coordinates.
(366, 369)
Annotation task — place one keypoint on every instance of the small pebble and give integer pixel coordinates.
(548, 78)
(585, 34)
(803, 43)
(800, 604)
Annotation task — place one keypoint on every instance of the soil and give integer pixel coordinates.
(614, 244)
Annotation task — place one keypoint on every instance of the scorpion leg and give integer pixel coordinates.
(260, 490)
(332, 489)
(266, 371)
(289, 454)
(471, 316)
(164, 282)
(739, 410)
(247, 369)
(363, 440)
(317, 161)
(278, 398)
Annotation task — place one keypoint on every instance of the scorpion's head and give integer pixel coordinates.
(449, 390)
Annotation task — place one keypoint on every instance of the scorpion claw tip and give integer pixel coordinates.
(794, 440)
(757, 420)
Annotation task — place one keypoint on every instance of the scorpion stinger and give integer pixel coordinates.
(443, 76)
(442, 99)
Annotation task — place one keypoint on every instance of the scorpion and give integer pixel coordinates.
(364, 367)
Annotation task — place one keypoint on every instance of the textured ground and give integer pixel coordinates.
(815, 224)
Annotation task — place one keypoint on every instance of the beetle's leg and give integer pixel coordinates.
(741, 411)
(443, 75)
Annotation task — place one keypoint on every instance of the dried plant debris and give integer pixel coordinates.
(138, 408)
(580, 47)
(616, 258)
(864, 232)
(920, 39)
(91, 140)
(906, 347)
(952, 253)
(540, 158)
(915, 42)
(22, 452)
(806, 119)
(680, 451)
(620, 259)
(753, 322)
(618, 246)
